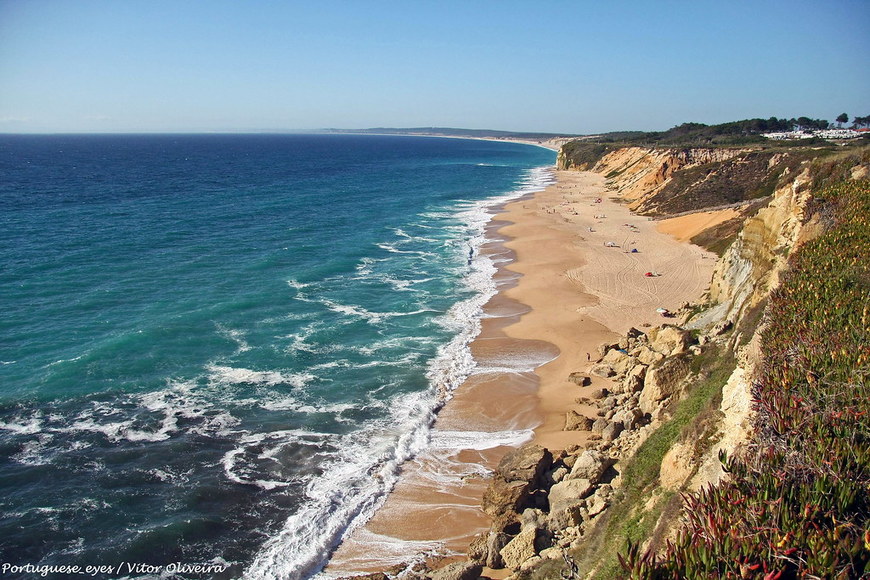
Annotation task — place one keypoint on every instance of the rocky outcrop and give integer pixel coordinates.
(544, 503)
(637, 174)
(663, 380)
(516, 479)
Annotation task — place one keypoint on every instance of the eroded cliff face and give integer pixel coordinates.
(553, 509)
(641, 398)
(669, 181)
(750, 268)
(637, 174)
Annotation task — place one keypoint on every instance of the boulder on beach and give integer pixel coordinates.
(517, 475)
(459, 571)
(602, 370)
(580, 379)
(575, 421)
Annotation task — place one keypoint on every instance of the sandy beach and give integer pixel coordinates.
(578, 270)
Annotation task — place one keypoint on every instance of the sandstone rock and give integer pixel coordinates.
(619, 361)
(556, 475)
(661, 382)
(619, 385)
(676, 466)
(551, 554)
(571, 516)
(531, 563)
(612, 431)
(574, 421)
(525, 463)
(630, 418)
(608, 403)
(597, 505)
(602, 370)
(599, 393)
(495, 543)
(670, 340)
(568, 493)
(459, 571)
(478, 548)
(636, 334)
(590, 465)
(533, 518)
(638, 373)
(581, 379)
(603, 348)
(501, 496)
(519, 549)
(517, 475)
(721, 328)
(599, 425)
(647, 356)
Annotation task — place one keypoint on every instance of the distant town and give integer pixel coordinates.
(820, 133)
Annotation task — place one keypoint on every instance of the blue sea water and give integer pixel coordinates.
(219, 349)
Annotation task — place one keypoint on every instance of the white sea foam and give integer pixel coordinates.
(297, 284)
(479, 440)
(34, 452)
(22, 425)
(237, 376)
(364, 465)
(270, 442)
(393, 249)
(403, 234)
(351, 488)
(65, 360)
(236, 336)
(391, 552)
(370, 317)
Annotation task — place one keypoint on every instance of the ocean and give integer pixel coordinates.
(217, 350)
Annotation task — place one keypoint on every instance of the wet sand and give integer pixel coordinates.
(572, 282)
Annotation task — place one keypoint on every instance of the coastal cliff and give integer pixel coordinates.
(692, 427)
(684, 397)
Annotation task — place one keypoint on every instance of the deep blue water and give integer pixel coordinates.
(218, 349)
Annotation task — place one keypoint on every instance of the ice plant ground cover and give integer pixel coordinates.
(796, 505)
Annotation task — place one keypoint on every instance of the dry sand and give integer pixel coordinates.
(685, 227)
(574, 283)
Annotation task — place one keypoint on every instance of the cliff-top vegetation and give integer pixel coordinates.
(797, 505)
(734, 133)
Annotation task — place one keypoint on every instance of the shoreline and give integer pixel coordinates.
(561, 292)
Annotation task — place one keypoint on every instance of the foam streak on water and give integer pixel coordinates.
(221, 348)
(346, 502)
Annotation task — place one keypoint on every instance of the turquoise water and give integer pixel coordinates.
(217, 349)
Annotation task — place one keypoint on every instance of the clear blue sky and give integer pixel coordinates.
(579, 66)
